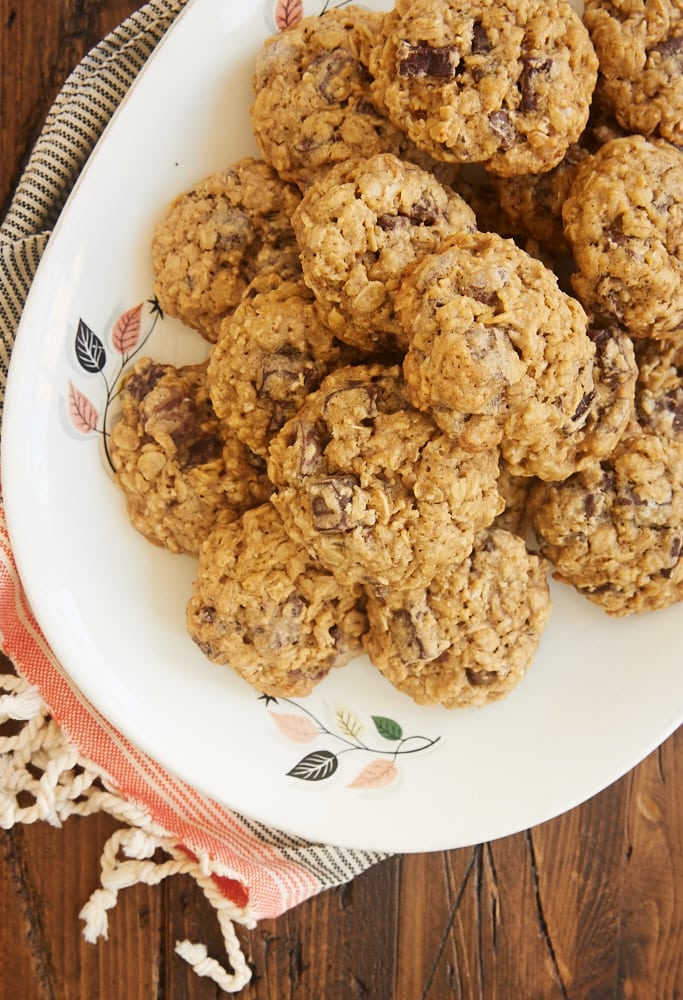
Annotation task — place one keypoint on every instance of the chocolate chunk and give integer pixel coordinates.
(584, 406)
(422, 61)
(407, 639)
(670, 48)
(199, 450)
(481, 43)
(424, 211)
(310, 444)
(501, 124)
(533, 68)
(332, 501)
(390, 223)
(141, 383)
(285, 372)
(332, 70)
(480, 678)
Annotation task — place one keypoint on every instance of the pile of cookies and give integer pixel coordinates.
(443, 312)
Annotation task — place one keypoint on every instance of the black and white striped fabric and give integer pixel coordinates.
(84, 106)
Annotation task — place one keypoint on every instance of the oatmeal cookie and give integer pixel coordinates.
(177, 471)
(533, 202)
(614, 530)
(216, 237)
(623, 219)
(312, 104)
(272, 352)
(470, 635)
(506, 83)
(640, 50)
(373, 488)
(659, 390)
(498, 353)
(261, 605)
(359, 228)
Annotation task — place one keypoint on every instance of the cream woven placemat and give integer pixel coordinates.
(64, 757)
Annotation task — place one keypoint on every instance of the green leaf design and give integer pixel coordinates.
(315, 766)
(387, 728)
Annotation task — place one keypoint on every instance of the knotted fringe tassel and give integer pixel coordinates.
(38, 763)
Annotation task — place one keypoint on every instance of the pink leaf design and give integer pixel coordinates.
(295, 728)
(288, 13)
(83, 414)
(376, 774)
(126, 332)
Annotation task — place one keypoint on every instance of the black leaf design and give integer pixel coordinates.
(90, 350)
(315, 766)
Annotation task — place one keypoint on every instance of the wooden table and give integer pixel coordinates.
(586, 907)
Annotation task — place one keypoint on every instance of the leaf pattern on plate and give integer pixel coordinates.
(316, 766)
(126, 339)
(349, 724)
(297, 728)
(381, 770)
(376, 774)
(83, 414)
(127, 329)
(288, 13)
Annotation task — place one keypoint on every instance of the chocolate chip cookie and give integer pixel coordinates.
(507, 84)
(623, 219)
(614, 531)
(498, 353)
(216, 237)
(640, 51)
(177, 471)
(261, 605)
(312, 104)
(359, 228)
(659, 390)
(272, 352)
(470, 635)
(373, 488)
(533, 202)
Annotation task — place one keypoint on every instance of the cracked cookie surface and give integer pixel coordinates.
(176, 469)
(271, 353)
(640, 51)
(614, 530)
(359, 228)
(623, 219)
(312, 106)
(373, 488)
(216, 236)
(261, 605)
(498, 353)
(507, 84)
(469, 636)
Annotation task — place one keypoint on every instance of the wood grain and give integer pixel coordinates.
(586, 907)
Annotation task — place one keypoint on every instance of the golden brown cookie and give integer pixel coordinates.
(640, 50)
(623, 219)
(659, 390)
(271, 353)
(373, 488)
(261, 605)
(470, 635)
(216, 237)
(498, 353)
(176, 469)
(614, 531)
(359, 228)
(312, 105)
(507, 84)
(533, 202)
